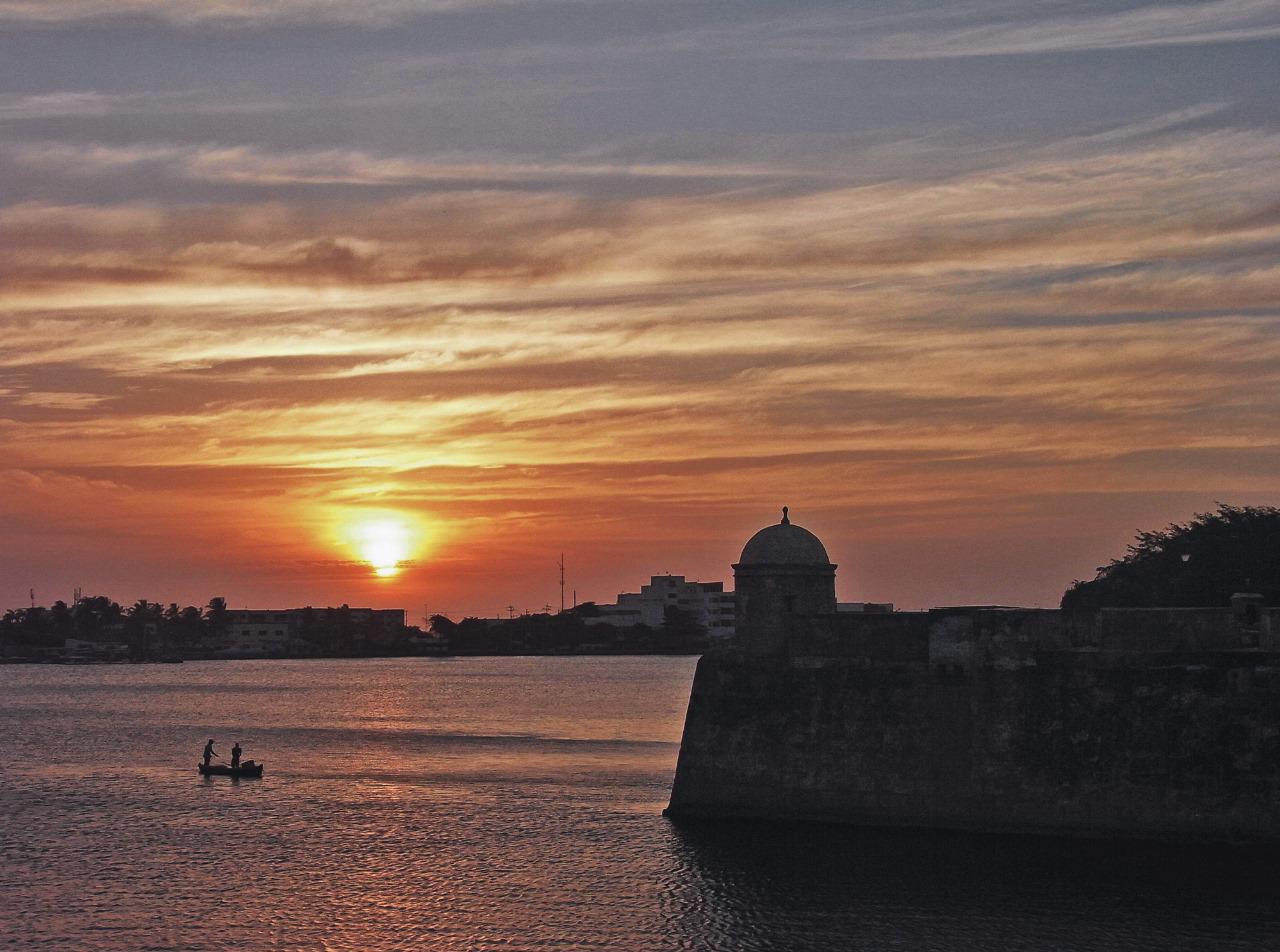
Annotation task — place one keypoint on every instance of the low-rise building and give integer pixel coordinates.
(278, 631)
(706, 602)
(75, 649)
(258, 632)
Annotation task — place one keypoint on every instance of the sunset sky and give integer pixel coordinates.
(292, 291)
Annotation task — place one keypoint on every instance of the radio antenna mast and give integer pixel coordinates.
(561, 583)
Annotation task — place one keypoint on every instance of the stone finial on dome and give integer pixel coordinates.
(786, 520)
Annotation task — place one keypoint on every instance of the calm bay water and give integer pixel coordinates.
(503, 803)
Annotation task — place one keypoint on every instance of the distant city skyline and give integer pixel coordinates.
(393, 302)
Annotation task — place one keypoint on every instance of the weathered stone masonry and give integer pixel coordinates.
(1150, 723)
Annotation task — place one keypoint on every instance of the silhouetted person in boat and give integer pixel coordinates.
(208, 752)
(235, 756)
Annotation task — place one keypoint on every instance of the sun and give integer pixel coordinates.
(385, 543)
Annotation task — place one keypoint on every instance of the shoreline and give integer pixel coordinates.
(424, 657)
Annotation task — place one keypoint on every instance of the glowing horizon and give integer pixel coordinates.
(964, 288)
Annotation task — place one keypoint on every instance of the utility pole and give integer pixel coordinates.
(33, 597)
(561, 583)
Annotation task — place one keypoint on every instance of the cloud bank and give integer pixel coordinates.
(974, 355)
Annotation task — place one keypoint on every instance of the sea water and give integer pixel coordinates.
(504, 804)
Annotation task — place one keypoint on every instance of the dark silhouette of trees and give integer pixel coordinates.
(1196, 565)
(27, 626)
(443, 625)
(190, 629)
(216, 619)
(567, 632)
(61, 620)
(142, 627)
(97, 618)
(681, 631)
(474, 636)
(161, 632)
(149, 629)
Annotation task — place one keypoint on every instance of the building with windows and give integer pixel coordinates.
(259, 633)
(707, 602)
(267, 632)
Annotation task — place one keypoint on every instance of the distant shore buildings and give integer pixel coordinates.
(706, 603)
(95, 629)
(267, 632)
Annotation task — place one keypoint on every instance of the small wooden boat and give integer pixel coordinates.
(246, 769)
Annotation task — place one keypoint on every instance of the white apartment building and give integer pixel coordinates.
(707, 602)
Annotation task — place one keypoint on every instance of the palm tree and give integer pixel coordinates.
(216, 618)
(11, 628)
(143, 624)
(96, 616)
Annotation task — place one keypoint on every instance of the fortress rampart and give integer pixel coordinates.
(1160, 723)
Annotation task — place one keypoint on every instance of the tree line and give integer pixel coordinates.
(569, 633)
(152, 630)
(144, 624)
(1197, 564)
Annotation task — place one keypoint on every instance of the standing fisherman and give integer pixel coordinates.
(208, 752)
(235, 756)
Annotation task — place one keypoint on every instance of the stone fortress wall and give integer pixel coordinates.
(1161, 723)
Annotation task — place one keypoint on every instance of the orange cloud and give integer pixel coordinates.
(529, 369)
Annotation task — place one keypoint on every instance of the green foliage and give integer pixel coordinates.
(1197, 565)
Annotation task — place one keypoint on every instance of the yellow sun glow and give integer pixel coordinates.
(385, 542)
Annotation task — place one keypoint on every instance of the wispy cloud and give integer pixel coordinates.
(1044, 28)
(1088, 203)
(486, 328)
(948, 31)
(247, 165)
(724, 259)
(869, 31)
(350, 11)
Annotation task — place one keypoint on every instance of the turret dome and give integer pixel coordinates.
(784, 544)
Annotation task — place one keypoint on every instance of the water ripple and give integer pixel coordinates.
(504, 804)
